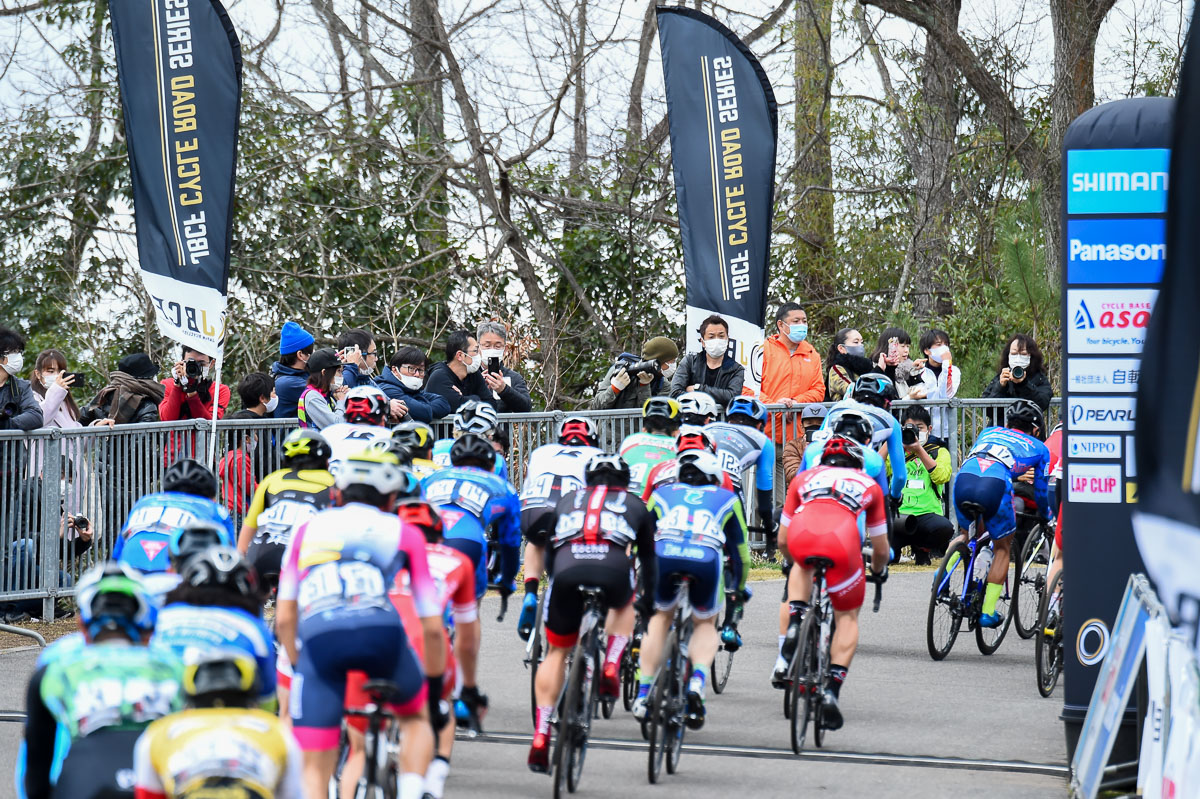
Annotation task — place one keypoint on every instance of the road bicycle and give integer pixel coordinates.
(381, 768)
(666, 705)
(1049, 639)
(535, 651)
(727, 623)
(1030, 581)
(579, 700)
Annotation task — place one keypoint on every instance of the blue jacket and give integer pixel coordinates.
(353, 378)
(422, 406)
(289, 384)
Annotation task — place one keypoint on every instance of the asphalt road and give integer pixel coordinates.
(913, 726)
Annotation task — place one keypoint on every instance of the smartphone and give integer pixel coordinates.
(893, 353)
(80, 378)
(493, 365)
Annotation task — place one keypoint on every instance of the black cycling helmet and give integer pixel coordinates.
(661, 413)
(305, 448)
(417, 436)
(220, 678)
(474, 448)
(189, 476)
(607, 470)
(394, 446)
(194, 538)
(854, 426)
(222, 567)
(875, 389)
(1024, 414)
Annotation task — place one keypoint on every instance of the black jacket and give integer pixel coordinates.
(19, 408)
(445, 384)
(723, 383)
(1035, 386)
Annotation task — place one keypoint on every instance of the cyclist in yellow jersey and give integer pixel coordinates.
(419, 439)
(220, 745)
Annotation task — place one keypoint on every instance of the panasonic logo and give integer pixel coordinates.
(1119, 181)
(1080, 251)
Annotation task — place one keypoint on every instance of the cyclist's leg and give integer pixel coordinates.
(468, 637)
(1001, 525)
(705, 596)
(619, 625)
(413, 713)
(316, 702)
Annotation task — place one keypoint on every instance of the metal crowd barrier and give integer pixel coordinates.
(48, 477)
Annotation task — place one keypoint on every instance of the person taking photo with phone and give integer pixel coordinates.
(1021, 374)
(510, 393)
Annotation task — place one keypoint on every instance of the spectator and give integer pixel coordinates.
(938, 379)
(791, 365)
(1020, 373)
(291, 370)
(811, 419)
(509, 390)
(847, 362)
(921, 524)
(403, 380)
(891, 357)
(189, 391)
(457, 379)
(257, 392)
(132, 396)
(320, 403)
(359, 354)
(618, 389)
(19, 409)
(714, 370)
(236, 471)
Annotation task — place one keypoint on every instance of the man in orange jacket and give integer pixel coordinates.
(791, 366)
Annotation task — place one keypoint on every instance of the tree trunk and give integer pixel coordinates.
(579, 144)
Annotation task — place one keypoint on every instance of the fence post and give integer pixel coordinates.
(952, 433)
(49, 546)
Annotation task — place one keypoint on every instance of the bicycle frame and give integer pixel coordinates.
(974, 544)
(380, 722)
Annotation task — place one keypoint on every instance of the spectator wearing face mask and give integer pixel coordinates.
(320, 402)
(847, 362)
(189, 393)
(811, 419)
(891, 357)
(19, 409)
(457, 379)
(510, 393)
(1021, 374)
(291, 370)
(791, 365)
(938, 376)
(713, 371)
(359, 354)
(404, 380)
(620, 389)
(257, 392)
(921, 524)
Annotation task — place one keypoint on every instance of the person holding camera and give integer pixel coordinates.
(360, 354)
(1020, 373)
(189, 393)
(630, 382)
(510, 393)
(320, 404)
(713, 371)
(19, 410)
(935, 376)
(921, 524)
(291, 370)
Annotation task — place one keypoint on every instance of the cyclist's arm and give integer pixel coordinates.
(791, 504)
(286, 608)
(425, 601)
(764, 482)
(510, 540)
(736, 546)
(40, 730)
(645, 550)
(877, 529)
(265, 656)
(895, 447)
(148, 782)
(1041, 485)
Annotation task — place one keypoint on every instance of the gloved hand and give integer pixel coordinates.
(506, 590)
(439, 709)
(620, 381)
(746, 595)
(880, 577)
(894, 504)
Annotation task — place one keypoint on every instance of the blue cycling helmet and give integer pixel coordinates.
(193, 538)
(111, 596)
(875, 389)
(747, 406)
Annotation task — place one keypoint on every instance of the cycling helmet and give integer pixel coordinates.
(475, 448)
(697, 467)
(305, 448)
(189, 476)
(693, 437)
(1026, 413)
(423, 516)
(853, 425)
(475, 417)
(220, 677)
(366, 405)
(875, 389)
(417, 436)
(111, 596)
(748, 407)
(578, 431)
(607, 470)
(842, 451)
(221, 567)
(697, 407)
(390, 444)
(193, 538)
(664, 410)
(377, 469)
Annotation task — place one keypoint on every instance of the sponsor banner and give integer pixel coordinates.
(1100, 413)
(1131, 181)
(1103, 375)
(745, 342)
(1116, 250)
(179, 68)
(723, 124)
(1095, 482)
(1085, 446)
(1108, 321)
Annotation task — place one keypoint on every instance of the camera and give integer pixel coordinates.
(193, 373)
(80, 522)
(909, 434)
(644, 368)
(1018, 372)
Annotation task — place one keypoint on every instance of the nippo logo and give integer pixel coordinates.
(1112, 316)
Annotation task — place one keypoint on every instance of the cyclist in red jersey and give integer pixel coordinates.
(826, 513)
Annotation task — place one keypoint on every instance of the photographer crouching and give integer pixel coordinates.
(921, 524)
(632, 380)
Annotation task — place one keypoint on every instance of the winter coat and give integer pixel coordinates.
(423, 406)
(722, 384)
(289, 382)
(1036, 386)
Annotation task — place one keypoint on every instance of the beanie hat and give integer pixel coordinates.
(139, 365)
(293, 338)
(660, 348)
(321, 360)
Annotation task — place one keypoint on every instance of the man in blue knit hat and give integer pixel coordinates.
(290, 371)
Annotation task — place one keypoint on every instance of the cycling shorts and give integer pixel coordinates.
(704, 565)
(611, 571)
(99, 766)
(267, 560)
(476, 552)
(371, 641)
(538, 524)
(826, 530)
(416, 638)
(989, 484)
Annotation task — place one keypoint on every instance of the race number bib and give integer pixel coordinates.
(277, 523)
(341, 583)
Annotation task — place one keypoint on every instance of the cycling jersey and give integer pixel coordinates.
(873, 465)
(64, 647)
(644, 451)
(441, 457)
(423, 467)
(1018, 452)
(887, 431)
(143, 540)
(740, 448)
(184, 628)
(347, 439)
(475, 500)
(553, 471)
(233, 753)
(667, 472)
(283, 500)
(985, 479)
(828, 513)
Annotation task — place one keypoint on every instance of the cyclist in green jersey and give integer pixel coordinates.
(654, 444)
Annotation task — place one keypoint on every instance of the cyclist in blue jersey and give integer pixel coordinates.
(985, 480)
(872, 396)
(741, 446)
(188, 495)
(472, 417)
(699, 525)
(858, 427)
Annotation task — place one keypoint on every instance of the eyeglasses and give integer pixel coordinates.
(415, 371)
(373, 354)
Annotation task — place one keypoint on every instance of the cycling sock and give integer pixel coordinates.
(531, 585)
(616, 648)
(990, 595)
(435, 776)
(837, 676)
(645, 679)
(954, 558)
(701, 672)
(412, 785)
(543, 719)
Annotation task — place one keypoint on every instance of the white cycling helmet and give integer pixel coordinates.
(378, 468)
(476, 417)
(366, 405)
(699, 467)
(697, 404)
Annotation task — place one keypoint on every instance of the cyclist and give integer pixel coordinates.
(103, 694)
(985, 479)
(825, 513)
(741, 446)
(553, 471)
(654, 444)
(472, 417)
(872, 395)
(418, 437)
(690, 438)
(333, 598)
(365, 415)
(284, 499)
(218, 605)
(594, 529)
(697, 408)
(189, 495)
(220, 745)
(699, 525)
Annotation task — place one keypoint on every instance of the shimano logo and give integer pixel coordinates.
(1079, 251)
(1119, 181)
(1080, 414)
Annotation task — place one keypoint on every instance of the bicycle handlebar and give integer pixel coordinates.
(872, 578)
(503, 607)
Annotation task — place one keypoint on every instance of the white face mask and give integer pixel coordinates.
(474, 364)
(669, 370)
(272, 404)
(922, 437)
(48, 379)
(936, 354)
(487, 355)
(338, 381)
(1019, 360)
(716, 347)
(411, 382)
(15, 362)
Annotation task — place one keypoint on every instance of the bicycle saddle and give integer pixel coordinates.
(817, 561)
(973, 509)
(381, 691)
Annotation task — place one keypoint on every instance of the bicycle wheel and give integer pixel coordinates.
(1030, 582)
(988, 639)
(568, 721)
(804, 679)
(1049, 652)
(587, 701)
(535, 657)
(945, 602)
(657, 717)
(678, 703)
(629, 682)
